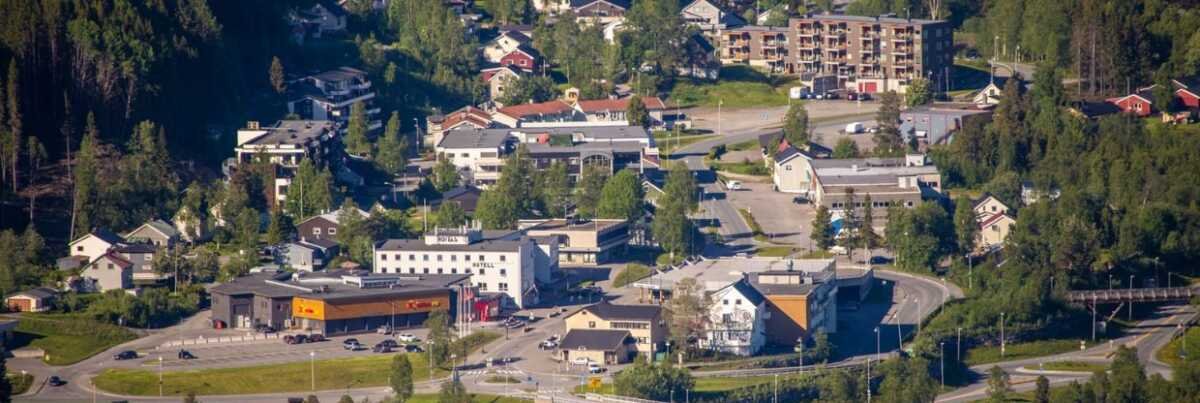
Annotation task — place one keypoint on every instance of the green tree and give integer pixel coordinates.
(687, 313)
(554, 188)
(846, 148)
(998, 383)
(190, 398)
(919, 236)
(85, 178)
(346, 399)
(906, 380)
(1127, 377)
(966, 228)
(496, 210)
(445, 175)
(356, 131)
(279, 227)
(636, 112)
(391, 153)
(839, 387)
(276, 76)
(868, 238)
(671, 227)
(519, 90)
(823, 349)
(247, 228)
(516, 182)
(655, 35)
(356, 233)
(401, 378)
(590, 188)
(622, 197)
(795, 125)
(888, 141)
(822, 229)
(438, 323)
(453, 392)
(1042, 393)
(919, 92)
(6, 387)
(450, 215)
(311, 191)
(312, 399)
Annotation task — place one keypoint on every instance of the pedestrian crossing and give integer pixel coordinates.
(478, 372)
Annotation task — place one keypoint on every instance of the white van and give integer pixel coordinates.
(734, 185)
(854, 128)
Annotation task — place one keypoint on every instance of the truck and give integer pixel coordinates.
(855, 128)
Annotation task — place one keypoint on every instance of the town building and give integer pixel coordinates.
(333, 303)
(994, 229)
(466, 197)
(989, 95)
(524, 58)
(643, 327)
(499, 79)
(40, 299)
(936, 123)
(1140, 103)
(864, 54)
(110, 271)
(95, 244)
(497, 262)
(285, 145)
(466, 117)
(890, 181)
(323, 18)
(551, 7)
(708, 16)
(323, 226)
(479, 154)
(156, 232)
(587, 242)
(737, 320)
(110, 261)
(330, 95)
(309, 254)
(141, 256)
(988, 205)
(601, 12)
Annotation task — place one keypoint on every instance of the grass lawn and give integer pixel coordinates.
(632, 272)
(1016, 351)
(739, 86)
(67, 340)
(340, 373)
(775, 251)
(667, 144)
(743, 146)
(1169, 354)
(752, 168)
(20, 383)
(1074, 366)
(475, 398)
(708, 384)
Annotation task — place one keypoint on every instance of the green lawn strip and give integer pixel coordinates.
(502, 379)
(775, 251)
(752, 168)
(1017, 351)
(1071, 366)
(331, 374)
(754, 227)
(1169, 354)
(475, 398)
(20, 383)
(743, 146)
(68, 339)
(632, 272)
(707, 384)
(667, 144)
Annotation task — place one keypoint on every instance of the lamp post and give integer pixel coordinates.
(958, 346)
(942, 359)
(312, 361)
(918, 303)
(876, 342)
(1001, 334)
(899, 339)
(1131, 297)
(719, 103)
(160, 376)
(776, 398)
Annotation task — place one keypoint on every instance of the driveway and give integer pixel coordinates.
(782, 220)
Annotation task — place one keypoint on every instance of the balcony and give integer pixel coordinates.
(807, 32)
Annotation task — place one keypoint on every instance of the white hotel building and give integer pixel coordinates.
(504, 262)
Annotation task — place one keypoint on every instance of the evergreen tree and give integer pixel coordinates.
(1127, 378)
(16, 121)
(519, 90)
(190, 398)
(795, 125)
(966, 228)
(672, 227)
(346, 399)
(919, 236)
(401, 378)
(999, 386)
(906, 380)
(888, 141)
(312, 399)
(392, 149)
(636, 112)
(822, 229)
(85, 178)
(869, 239)
(279, 228)
(311, 191)
(6, 386)
(445, 175)
(838, 387)
(450, 215)
(453, 392)
(278, 82)
(356, 132)
(554, 187)
(516, 182)
(1042, 393)
(590, 187)
(622, 197)
(247, 228)
(846, 148)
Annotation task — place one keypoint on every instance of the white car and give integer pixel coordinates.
(734, 185)
(581, 361)
(407, 338)
(594, 368)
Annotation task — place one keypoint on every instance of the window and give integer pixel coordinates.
(468, 271)
(439, 258)
(503, 272)
(439, 271)
(482, 272)
(502, 258)
(502, 286)
(737, 301)
(332, 231)
(110, 266)
(412, 270)
(482, 286)
(787, 167)
(453, 258)
(481, 258)
(725, 302)
(467, 258)
(383, 257)
(425, 257)
(412, 257)
(316, 231)
(425, 270)
(591, 325)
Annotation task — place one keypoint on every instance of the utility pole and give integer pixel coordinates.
(958, 346)
(1001, 334)
(1130, 297)
(942, 359)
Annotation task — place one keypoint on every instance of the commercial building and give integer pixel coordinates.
(285, 145)
(329, 96)
(890, 182)
(864, 54)
(333, 303)
(587, 242)
(642, 326)
(507, 263)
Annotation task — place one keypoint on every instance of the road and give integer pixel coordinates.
(1148, 337)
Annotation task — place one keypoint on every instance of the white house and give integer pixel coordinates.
(507, 42)
(737, 320)
(987, 206)
(989, 95)
(95, 244)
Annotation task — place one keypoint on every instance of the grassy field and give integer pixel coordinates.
(743, 146)
(739, 86)
(340, 373)
(632, 272)
(67, 340)
(1016, 351)
(667, 144)
(1169, 354)
(20, 383)
(752, 168)
(475, 398)
(1074, 366)
(776, 251)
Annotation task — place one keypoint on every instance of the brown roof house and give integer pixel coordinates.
(108, 272)
(39, 299)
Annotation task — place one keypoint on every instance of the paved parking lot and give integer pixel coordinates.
(781, 219)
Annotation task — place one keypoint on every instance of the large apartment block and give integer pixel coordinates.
(864, 54)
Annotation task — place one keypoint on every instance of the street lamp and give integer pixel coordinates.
(958, 346)
(160, 376)
(312, 361)
(918, 303)
(1131, 297)
(876, 342)
(1002, 334)
(776, 399)
(942, 359)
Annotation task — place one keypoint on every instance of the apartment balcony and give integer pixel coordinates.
(775, 43)
(902, 51)
(773, 56)
(808, 32)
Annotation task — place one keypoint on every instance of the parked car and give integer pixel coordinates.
(186, 355)
(352, 344)
(864, 96)
(295, 339)
(855, 128)
(54, 380)
(125, 355)
(264, 329)
(831, 95)
(734, 185)
(594, 368)
(548, 345)
(381, 348)
(315, 337)
(408, 338)
(413, 348)
(580, 361)
(390, 343)
(385, 329)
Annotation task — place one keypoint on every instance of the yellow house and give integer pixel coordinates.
(994, 230)
(645, 323)
(987, 206)
(798, 305)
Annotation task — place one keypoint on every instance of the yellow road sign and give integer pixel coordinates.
(595, 382)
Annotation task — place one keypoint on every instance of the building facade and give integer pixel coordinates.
(330, 95)
(644, 323)
(284, 146)
(588, 242)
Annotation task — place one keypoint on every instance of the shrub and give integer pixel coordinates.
(632, 272)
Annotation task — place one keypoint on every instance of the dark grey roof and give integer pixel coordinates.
(340, 74)
(594, 339)
(294, 132)
(319, 242)
(611, 311)
(136, 248)
(330, 287)
(257, 284)
(619, 3)
(470, 137)
(781, 289)
(881, 19)
(105, 235)
(40, 293)
(753, 295)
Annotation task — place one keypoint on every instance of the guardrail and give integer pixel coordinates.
(246, 338)
(1132, 295)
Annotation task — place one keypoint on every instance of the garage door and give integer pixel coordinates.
(869, 87)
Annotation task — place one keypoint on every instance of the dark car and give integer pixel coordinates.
(413, 348)
(864, 96)
(297, 339)
(831, 95)
(265, 329)
(381, 348)
(315, 337)
(390, 343)
(125, 355)
(55, 381)
(186, 355)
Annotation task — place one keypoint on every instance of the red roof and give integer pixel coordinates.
(468, 114)
(544, 108)
(120, 261)
(992, 220)
(598, 105)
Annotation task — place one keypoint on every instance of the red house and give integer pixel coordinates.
(1139, 103)
(523, 57)
(1187, 92)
